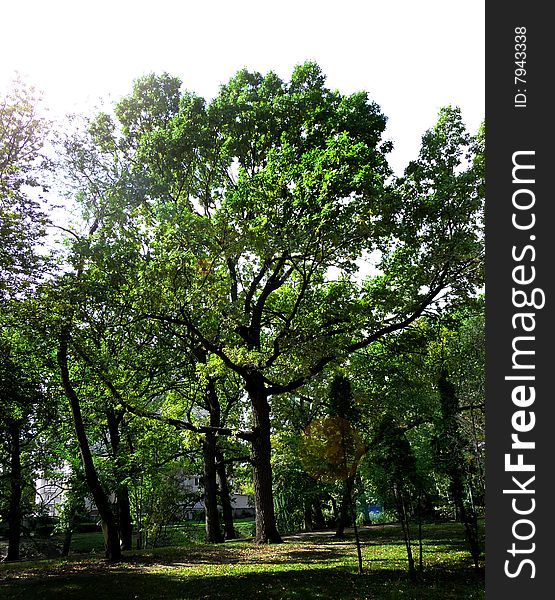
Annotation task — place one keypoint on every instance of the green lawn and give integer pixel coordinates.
(305, 566)
(184, 534)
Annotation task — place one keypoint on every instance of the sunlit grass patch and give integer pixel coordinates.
(305, 566)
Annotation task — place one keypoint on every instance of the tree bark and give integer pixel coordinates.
(319, 521)
(405, 527)
(266, 529)
(344, 509)
(68, 533)
(124, 520)
(211, 515)
(467, 516)
(225, 497)
(109, 525)
(16, 488)
(355, 528)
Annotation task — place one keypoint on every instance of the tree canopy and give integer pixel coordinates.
(238, 258)
(23, 165)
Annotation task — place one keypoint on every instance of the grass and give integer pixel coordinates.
(184, 534)
(305, 566)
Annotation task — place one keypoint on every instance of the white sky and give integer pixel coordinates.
(412, 56)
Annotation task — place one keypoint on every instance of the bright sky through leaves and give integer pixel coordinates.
(412, 57)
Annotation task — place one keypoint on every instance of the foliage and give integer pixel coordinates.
(23, 166)
(215, 293)
(24, 407)
(230, 214)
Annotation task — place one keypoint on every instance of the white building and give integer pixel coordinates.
(50, 495)
(243, 504)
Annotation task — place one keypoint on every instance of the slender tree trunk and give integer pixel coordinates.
(124, 520)
(211, 515)
(405, 526)
(225, 497)
(355, 528)
(16, 488)
(307, 514)
(344, 509)
(109, 525)
(468, 518)
(319, 521)
(68, 533)
(266, 529)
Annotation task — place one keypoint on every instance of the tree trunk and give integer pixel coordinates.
(405, 526)
(266, 529)
(468, 517)
(355, 527)
(319, 521)
(307, 515)
(225, 497)
(109, 525)
(124, 520)
(16, 487)
(211, 515)
(344, 509)
(68, 533)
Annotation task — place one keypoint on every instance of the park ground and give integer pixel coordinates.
(309, 565)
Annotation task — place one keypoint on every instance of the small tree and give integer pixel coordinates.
(331, 450)
(21, 400)
(450, 448)
(393, 454)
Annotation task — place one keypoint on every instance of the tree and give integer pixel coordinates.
(109, 523)
(420, 375)
(236, 213)
(342, 408)
(393, 453)
(301, 498)
(23, 134)
(21, 407)
(331, 449)
(463, 354)
(450, 445)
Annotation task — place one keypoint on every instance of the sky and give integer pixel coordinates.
(412, 57)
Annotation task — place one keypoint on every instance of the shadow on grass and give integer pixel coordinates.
(336, 583)
(313, 566)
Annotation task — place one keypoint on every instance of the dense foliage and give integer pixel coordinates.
(252, 298)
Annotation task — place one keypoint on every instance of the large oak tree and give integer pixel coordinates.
(243, 223)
